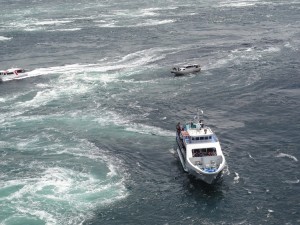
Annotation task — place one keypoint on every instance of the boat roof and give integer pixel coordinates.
(187, 65)
(190, 65)
(13, 69)
(196, 132)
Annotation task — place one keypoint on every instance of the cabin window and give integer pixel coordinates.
(201, 138)
(197, 138)
(209, 137)
(197, 153)
(206, 138)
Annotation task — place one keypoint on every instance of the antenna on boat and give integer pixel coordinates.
(198, 113)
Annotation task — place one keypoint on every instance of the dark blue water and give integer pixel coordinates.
(89, 136)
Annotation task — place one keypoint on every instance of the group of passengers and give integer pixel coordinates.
(198, 153)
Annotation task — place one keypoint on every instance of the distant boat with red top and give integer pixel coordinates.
(13, 74)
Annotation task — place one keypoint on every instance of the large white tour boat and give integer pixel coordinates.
(200, 151)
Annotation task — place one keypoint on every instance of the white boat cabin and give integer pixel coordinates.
(15, 71)
(187, 67)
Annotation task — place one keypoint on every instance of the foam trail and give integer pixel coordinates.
(2, 38)
(154, 22)
(61, 188)
(238, 3)
(130, 61)
(146, 129)
(52, 22)
(66, 29)
(236, 178)
(292, 181)
(110, 117)
(280, 155)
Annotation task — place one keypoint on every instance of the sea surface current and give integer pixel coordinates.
(89, 136)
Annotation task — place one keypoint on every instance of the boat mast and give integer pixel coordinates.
(199, 115)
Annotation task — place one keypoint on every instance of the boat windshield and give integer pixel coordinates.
(200, 152)
(189, 67)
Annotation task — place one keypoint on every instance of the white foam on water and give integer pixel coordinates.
(290, 46)
(144, 57)
(149, 12)
(250, 156)
(14, 110)
(41, 85)
(172, 151)
(281, 155)
(152, 22)
(33, 24)
(226, 170)
(109, 117)
(23, 145)
(104, 23)
(66, 29)
(239, 3)
(242, 56)
(292, 181)
(66, 86)
(60, 195)
(52, 22)
(270, 211)
(145, 23)
(123, 13)
(134, 60)
(112, 170)
(236, 178)
(2, 38)
(146, 129)
(42, 215)
(271, 49)
(41, 98)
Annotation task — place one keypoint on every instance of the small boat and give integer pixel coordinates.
(194, 68)
(12, 74)
(200, 151)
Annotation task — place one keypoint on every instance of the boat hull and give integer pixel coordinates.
(207, 178)
(4, 78)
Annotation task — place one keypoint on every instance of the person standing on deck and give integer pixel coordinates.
(178, 128)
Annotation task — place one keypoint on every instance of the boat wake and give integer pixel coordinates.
(280, 155)
(146, 129)
(2, 38)
(130, 64)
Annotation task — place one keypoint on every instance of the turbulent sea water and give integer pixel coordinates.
(89, 137)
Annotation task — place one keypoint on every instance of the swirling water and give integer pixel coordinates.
(88, 137)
